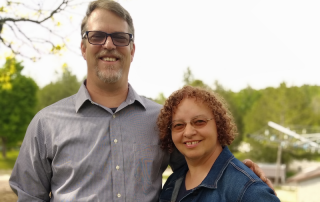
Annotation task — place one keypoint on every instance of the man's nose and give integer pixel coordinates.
(109, 44)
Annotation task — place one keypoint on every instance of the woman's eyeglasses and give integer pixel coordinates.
(197, 122)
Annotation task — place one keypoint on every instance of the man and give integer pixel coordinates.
(99, 144)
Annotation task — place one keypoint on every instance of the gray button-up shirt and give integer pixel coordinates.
(81, 151)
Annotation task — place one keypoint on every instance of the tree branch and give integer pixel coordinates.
(24, 39)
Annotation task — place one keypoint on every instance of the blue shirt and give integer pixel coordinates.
(81, 151)
(228, 180)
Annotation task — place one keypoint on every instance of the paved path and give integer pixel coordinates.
(6, 194)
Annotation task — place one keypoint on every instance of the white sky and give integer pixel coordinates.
(239, 43)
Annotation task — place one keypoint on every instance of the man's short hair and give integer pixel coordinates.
(109, 5)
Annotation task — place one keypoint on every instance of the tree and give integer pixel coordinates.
(17, 17)
(17, 103)
(228, 97)
(287, 106)
(188, 79)
(161, 99)
(66, 85)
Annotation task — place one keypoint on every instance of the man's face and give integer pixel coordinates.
(107, 62)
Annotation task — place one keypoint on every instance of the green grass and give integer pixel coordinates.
(8, 163)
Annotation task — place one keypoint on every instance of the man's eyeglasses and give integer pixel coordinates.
(197, 122)
(100, 38)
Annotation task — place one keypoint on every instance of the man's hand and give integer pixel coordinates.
(257, 170)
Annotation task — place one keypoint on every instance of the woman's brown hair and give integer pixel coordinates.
(226, 127)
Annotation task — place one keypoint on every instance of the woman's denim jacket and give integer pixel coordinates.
(228, 180)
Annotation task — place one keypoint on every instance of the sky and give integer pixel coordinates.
(256, 43)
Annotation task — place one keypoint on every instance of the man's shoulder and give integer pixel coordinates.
(53, 115)
(65, 105)
(149, 103)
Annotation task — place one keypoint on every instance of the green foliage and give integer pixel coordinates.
(295, 107)
(229, 98)
(161, 99)
(240, 155)
(287, 106)
(8, 162)
(239, 104)
(17, 103)
(189, 80)
(188, 77)
(66, 85)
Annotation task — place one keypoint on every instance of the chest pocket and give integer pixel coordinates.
(147, 163)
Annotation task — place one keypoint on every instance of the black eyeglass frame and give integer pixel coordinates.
(85, 35)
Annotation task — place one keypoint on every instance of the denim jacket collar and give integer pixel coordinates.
(217, 169)
(211, 179)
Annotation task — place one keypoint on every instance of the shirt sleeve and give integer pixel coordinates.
(31, 175)
(259, 191)
(177, 160)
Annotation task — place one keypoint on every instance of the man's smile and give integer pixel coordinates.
(109, 59)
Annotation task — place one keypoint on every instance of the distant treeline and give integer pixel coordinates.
(295, 107)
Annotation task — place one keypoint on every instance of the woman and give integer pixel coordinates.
(198, 124)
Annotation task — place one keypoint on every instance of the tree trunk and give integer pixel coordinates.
(4, 147)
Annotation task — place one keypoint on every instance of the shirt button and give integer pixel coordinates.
(114, 116)
(117, 167)
(115, 141)
(118, 195)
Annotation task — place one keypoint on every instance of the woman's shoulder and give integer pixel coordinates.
(240, 180)
(238, 172)
(175, 179)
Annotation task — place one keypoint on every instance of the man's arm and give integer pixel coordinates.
(258, 171)
(31, 175)
(176, 160)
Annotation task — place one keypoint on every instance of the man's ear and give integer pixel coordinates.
(83, 49)
(133, 49)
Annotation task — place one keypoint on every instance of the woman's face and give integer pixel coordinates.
(198, 142)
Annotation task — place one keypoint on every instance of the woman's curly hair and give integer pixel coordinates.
(226, 127)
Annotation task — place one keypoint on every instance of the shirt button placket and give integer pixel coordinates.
(117, 158)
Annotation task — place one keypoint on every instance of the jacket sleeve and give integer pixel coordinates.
(259, 191)
(31, 175)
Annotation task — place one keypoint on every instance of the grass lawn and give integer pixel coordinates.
(8, 163)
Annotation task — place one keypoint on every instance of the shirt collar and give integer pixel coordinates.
(83, 95)
(133, 96)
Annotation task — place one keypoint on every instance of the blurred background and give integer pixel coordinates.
(262, 57)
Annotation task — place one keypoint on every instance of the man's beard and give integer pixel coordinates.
(109, 74)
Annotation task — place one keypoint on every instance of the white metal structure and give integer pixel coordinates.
(302, 139)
